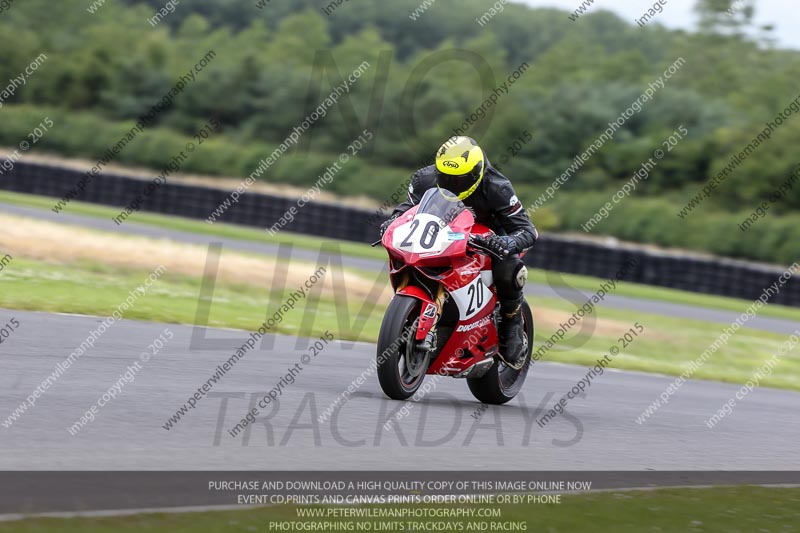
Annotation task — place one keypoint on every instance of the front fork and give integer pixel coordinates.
(430, 311)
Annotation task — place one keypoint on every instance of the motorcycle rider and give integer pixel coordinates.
(463, 168)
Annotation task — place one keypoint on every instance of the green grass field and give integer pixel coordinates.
(363, 250)
(741, 509)
(667, 346)
(96, 289)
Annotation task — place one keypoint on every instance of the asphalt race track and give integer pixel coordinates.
(445, 431)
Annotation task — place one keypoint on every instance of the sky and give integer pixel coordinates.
(783, 14)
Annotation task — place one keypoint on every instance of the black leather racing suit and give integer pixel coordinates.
(495, 205)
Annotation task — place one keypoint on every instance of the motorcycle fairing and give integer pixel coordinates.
(435, 246)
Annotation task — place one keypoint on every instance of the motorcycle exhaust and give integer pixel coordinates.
(477, 370)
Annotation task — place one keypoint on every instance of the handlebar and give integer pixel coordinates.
(480, 243)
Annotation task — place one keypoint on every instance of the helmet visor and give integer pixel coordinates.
(460, 183)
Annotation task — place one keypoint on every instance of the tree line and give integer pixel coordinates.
(427, 78)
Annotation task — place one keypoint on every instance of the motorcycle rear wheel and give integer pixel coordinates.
(502, 383)
(400, 370)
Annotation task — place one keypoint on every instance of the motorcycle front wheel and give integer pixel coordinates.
(400, 368)
(501, 383)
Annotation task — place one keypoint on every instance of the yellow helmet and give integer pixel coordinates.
(460, 165)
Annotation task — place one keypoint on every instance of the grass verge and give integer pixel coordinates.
(742, 509)
(362, 250)
(94, 288)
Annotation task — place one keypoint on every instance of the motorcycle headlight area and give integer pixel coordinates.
(425, 234)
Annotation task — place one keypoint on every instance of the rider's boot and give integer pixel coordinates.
(513, 343)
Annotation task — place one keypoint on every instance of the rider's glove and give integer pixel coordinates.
(502, 245)
(388, 223)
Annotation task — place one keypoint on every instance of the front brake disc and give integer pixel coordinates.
(416, 360)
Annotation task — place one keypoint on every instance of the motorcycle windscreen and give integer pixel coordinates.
(438, 225)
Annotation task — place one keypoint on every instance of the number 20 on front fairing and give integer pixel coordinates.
(443, 317)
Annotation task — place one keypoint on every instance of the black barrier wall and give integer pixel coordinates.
(724, 277)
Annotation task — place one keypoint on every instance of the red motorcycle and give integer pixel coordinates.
(444, 315)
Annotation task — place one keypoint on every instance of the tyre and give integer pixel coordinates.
(400, 369)
(501, 383)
